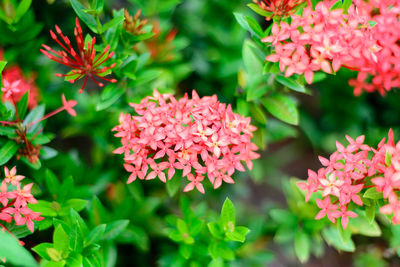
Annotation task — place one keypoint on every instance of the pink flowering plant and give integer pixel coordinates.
(170, 133)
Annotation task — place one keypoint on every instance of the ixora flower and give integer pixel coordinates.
(14, 198)
(323, 39)
(200, 136)
(84, 62)
(350, 172)
(16, 85)
(384, 74)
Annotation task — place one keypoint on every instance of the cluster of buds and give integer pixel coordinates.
(14, 199)
(134, 25)
(349, 172)
(201, 136)
(16, 85)
(323, 39)
(384, 74)
(85, 62)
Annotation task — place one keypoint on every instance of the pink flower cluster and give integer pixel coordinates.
(322, 39)
(384, 74)
(14, 199)
(349, 172)
(200, 136)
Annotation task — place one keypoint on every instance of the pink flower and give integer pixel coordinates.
(199, 136)
(10, 88)
(11, 176)
(327, 209)
(68, 105)
(195, 181)
(344, 214)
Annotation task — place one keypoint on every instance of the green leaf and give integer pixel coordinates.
(52, 183)
(361, 225)
(282, 107)
(76, 204)
(88, 19)
(22, 105)
(291, 84)
(253, 58)
(302, 246)
(256, 8)
(76, 233)
(95, 235)
(332, 237)
(41, 250)
(249, 24)
(46, 208)
(13, 252)
(60, 239)
(114, 229)
(22, 8)
(114, 22)
(370, 212)
(228, 215)
(239, 234)
(337, 5)
(372, 23)
(215, 230)
(2, 65)
(98, 6)
(34, 115)
(186, 250)
(258, 114)
(373, 194)
(7, 151)
(173, 185)
(220, 249)
(109, 96)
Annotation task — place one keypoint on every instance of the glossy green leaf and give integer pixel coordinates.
(7, 151)
(282, 107)
(114, 229)
(88, 19)
(291, 84)
(228, 215)
(114, 22)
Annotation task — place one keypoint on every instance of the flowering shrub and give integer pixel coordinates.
(261, 107)
(199, 134)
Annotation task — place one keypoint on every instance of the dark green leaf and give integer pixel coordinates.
(88, 19)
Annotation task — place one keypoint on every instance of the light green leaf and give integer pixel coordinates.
(282, 107)
(13, 252)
